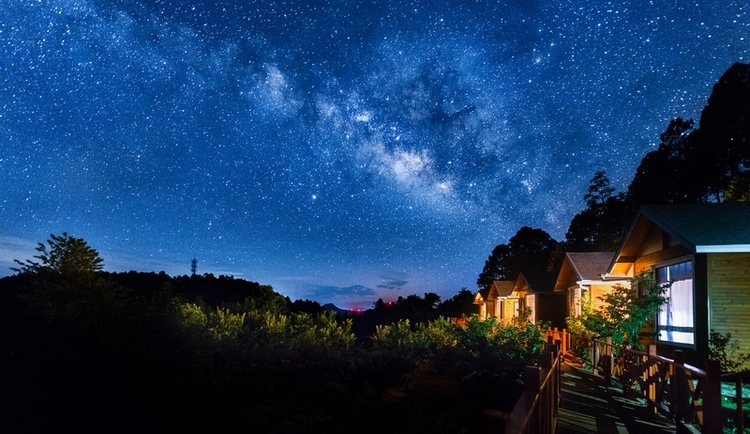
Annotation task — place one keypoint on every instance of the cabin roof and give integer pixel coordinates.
(705, 227)
(700, 227)
(536, 282)
(589, 265)
(504, 287)
(499, 288)
(583, 266)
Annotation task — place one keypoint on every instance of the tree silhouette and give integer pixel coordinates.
(666, 175)
(724, 134)
(496, 267)
(710, 163)
(601, 226)
(529, 250)
(65, 256)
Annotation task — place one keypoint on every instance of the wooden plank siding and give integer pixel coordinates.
(728, 276)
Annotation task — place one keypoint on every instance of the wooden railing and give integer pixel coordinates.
(739, 416)
(536, 409)
(689, 395)
(560, 337)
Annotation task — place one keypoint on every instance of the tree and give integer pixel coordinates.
(600, 191)
(461, 304)
(738, 189)
(709, 163)
(64, 256)
(601, 226)
(724, 134)
(667, 175)
(529, 250)
(495, 267)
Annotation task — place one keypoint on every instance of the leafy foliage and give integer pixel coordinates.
(623, 311)
(738, 189)
(725, 349)
(481, 350)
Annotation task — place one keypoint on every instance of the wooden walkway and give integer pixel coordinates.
(587, 406)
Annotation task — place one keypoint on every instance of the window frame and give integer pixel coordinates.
(664, 264)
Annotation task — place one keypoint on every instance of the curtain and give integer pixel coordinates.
(675, 323)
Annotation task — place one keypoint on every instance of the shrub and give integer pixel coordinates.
(725, 349)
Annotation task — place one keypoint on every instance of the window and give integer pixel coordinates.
(530, 303)
(676, 317)
(574, 300)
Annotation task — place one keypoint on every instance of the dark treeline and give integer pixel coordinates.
(222, 291)
(708, 163)
(82, 350)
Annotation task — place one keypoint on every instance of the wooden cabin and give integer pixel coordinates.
(498, 301)
(704, 250)
(581, 279)
(536, 292)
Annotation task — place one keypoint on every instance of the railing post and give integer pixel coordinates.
(712, 413)
(740, 415)
(532, 379)
(679, 391)
(547, 396)
(557, 376)
(548, 357)
(608, 362)
(595, 356)
(650, 379)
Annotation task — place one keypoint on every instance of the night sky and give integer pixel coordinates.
(340, 151)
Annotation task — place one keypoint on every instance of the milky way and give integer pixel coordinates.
(339, 151)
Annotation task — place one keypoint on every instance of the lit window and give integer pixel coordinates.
(675, 323)
(531, 305)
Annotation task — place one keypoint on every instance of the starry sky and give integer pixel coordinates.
(340, 151)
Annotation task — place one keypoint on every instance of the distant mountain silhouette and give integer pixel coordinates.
(330, 307)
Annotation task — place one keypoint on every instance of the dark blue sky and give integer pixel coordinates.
(339, 151)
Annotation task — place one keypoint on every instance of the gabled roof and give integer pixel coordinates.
(536, 282)
(499, 288)
(700, 228)
(590, 265)
(705, 227)
(503, 287)
(583, 266)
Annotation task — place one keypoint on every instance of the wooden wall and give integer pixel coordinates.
(597, 292)
(551, 307)
(729, 295)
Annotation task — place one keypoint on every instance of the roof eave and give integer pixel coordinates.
(653, 216)
(727, 248)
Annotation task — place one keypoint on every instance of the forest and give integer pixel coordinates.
(83, 350)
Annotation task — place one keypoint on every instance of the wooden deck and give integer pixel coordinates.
(588, 406)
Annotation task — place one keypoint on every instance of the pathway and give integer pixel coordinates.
(587, 406)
